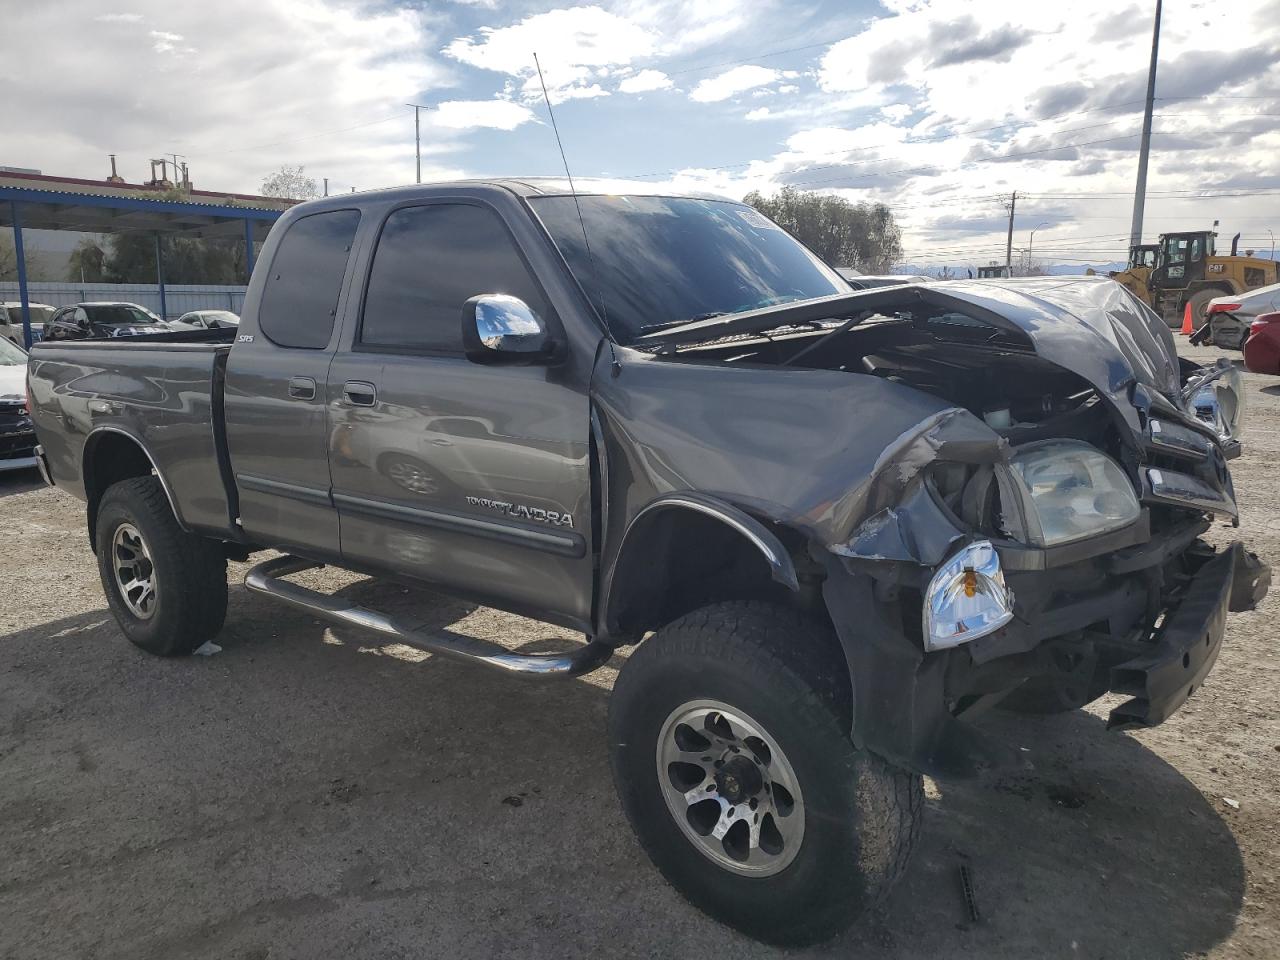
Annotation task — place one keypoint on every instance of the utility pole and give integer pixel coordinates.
(417, 136)
(326, 186)
(1140, 192)
(1008, 246)
(1032, 240)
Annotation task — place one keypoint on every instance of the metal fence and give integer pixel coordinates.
(179, 298)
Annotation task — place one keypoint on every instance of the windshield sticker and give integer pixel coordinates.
(756, 219)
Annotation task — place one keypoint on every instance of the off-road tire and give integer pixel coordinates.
(1199, 303)
(862, 816)
(190, 572)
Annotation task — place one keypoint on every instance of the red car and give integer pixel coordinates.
(1262, 349)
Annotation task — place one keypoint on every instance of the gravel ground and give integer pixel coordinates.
(309, 793)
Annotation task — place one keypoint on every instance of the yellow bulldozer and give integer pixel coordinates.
(1184, 268)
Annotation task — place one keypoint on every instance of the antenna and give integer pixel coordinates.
(604, 311)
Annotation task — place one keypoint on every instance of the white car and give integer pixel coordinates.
(17, 435)
(1230, 316)
(11, 321)
(205, 320)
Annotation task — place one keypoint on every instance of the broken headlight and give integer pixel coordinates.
(967, 598)
(1218, 400)
(1068, 491)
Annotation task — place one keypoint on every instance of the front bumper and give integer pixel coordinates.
(914, 708)
(1161, 680)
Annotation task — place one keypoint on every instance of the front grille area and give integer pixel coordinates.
(17, 436)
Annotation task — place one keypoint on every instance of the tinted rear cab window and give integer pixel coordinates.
(300, 301)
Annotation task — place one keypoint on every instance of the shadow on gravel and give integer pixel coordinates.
(310, 793)
(19, 481)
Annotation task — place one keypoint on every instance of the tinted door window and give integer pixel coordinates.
(432, 259)
(301, 297)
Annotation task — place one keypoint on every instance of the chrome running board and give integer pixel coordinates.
(265, 579)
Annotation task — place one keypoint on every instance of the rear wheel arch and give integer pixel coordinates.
(111, 455)
(686, 549)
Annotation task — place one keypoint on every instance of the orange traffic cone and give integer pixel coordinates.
(1188, 327)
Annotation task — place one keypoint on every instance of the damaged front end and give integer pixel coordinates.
(1066, 563)
(1002, 488)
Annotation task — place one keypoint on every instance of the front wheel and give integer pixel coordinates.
(731, 754)
(166, 587)
(1199, 305)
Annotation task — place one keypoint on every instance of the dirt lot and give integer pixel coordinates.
(307, 793)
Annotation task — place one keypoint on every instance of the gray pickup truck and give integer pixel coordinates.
(837, 525)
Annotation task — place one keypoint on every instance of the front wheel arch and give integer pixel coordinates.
(677, 546)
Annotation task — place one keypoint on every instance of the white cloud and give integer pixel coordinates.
(165, 42)
(238, 110)
(469, 114)
(645, 81)
(760, 113)
(118, 18)
(575, 47)
(735, 81)
(687, 25)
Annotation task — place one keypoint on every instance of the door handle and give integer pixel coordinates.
(360, 393)
(302, 388)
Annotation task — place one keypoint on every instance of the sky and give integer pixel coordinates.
(940, 109)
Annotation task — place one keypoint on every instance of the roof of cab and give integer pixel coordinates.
(520, 186)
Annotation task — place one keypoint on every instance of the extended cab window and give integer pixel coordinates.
(301, 297)
(430, 260)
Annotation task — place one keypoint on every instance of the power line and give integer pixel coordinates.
(311, 136)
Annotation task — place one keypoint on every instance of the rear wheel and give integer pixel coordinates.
(731, 754)
(167, 588)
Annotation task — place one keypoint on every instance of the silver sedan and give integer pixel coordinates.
(1230, 315)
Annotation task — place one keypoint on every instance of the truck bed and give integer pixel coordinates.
(164, 391)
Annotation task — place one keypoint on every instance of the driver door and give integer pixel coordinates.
(473, 476)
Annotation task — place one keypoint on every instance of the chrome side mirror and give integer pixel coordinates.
(499, 328)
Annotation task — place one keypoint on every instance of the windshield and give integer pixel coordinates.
(663, 261)
(1142, 257)
(120, 314)
(221, 318)
(11, 356)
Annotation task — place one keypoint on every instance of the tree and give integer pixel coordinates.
(862, 235)
(131, 258)
(88, 262)
(290, 183)
(1025, 266)
(8, 259)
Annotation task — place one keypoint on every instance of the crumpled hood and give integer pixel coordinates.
(1091, 326)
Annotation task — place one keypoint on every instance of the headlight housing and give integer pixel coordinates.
(1218, 400)
(1070, 491)
(967, 598)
